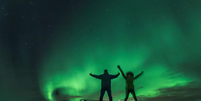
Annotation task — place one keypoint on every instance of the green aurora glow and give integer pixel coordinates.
(135, 35)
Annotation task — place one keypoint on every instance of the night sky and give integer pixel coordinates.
(53, 45)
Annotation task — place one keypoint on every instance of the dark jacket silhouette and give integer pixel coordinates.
(105, 83)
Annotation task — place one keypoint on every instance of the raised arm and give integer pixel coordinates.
(138, 75)
(121, 71)
(114, 76)
(95, 76)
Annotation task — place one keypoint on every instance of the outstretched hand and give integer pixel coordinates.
(90, 74)
(118, 66)
(142, 72)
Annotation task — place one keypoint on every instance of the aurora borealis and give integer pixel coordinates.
(48, 45)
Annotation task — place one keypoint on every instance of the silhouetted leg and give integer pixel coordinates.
(127, 94)
(134, 95)
(102, 94)
(109, 94)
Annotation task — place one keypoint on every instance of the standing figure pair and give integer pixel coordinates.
(106, 83)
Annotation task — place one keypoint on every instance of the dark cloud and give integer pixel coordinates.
(192, 66)
(189, 92)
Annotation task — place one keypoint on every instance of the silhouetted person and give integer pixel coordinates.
(129, 83)
(105, 83)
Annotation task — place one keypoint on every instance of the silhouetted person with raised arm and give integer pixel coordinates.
(129, 83)
(105, 83)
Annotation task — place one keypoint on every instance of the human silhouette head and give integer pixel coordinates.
(129, 74)
(105, 71)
